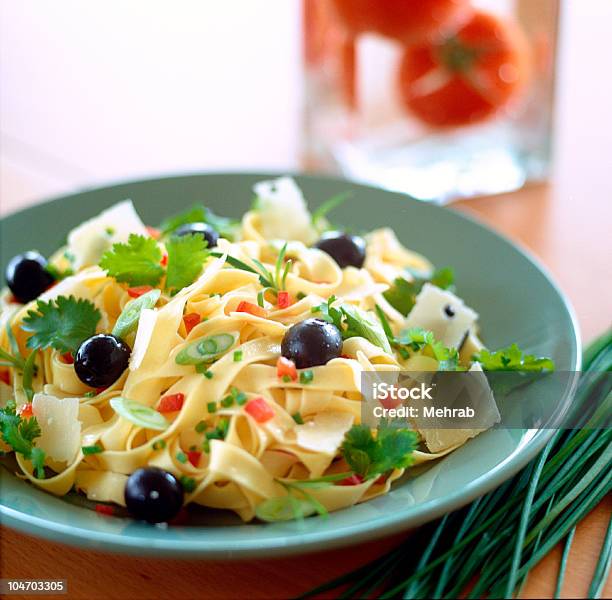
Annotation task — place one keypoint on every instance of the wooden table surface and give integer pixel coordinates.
(574, 243)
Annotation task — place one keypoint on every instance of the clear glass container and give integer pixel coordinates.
(441, 99)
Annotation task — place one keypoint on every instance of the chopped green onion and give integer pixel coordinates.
(297, 417)
(201, 426)
(206, 445)
(237, 355)
(223, 426)
(188, 483)
(159, 444)
(90, 394)
(286, 378)
(306, 377)
(300, 295)
(206, 349)
(87, 450)
(212, 407)
(139, 414)
(181, 457)
(241, 398)
(227, 401)
(260, 298)
(128, 319)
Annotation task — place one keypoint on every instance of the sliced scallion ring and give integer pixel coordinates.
(206, 349)
(128, 319)
(139, 414)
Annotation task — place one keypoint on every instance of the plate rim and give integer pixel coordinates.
(304, 542)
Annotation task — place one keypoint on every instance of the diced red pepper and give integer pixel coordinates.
(68, 358)
(25, 410)
(193, 456)
(383, 478)
(101, 389)
(284, 300)
(252, 309)
(352, 480)
(164, 261)
(388, 401)
(5, 377)
(259, 409)
(139, 290)
(171, 403)
(191, 320)
(286, 368)
(105, 509)
(154, 232)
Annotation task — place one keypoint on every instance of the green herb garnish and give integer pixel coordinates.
(402, 294)
(227, 228)
(237, 355)
(297, 417)
(62, 323)
(181, 457)
(512, 358)
(306, 377)
(135, 263)
(186, 256)
(159, 445)
(188, 483)
(95, 449)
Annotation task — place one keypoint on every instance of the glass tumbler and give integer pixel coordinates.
(441, 99)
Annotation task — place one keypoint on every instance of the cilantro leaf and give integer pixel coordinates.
(199, 213)
(402, 294)
(62, 323)
(418, 339)
(353, 322)
(18, 433)
(37, 456)
(370, 456)
(186, 255)
(512, 358)
(135, 263)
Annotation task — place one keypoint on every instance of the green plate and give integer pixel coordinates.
(515, 297)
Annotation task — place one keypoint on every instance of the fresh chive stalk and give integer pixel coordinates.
(501, 536)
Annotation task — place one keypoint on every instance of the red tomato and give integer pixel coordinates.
(466, 77)
(25, 410)
(105, 509)
(68, 358)
(259, 409)
(191, 320)
(284, 300)
(352, 480)
(252, 309)
(286, 368)
(194, 457)
(171, 403)
(403, 20)
(139, 290)
(164, 261)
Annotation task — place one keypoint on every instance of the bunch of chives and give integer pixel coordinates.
(488, 548)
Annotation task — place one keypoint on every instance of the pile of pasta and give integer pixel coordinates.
(249, 465)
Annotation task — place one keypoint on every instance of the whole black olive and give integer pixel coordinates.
(101, 359)
(311, 342)
(153, 495)
(210, 235)
(27, 276)
(346, 250)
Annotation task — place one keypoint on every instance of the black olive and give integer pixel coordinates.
(346, 250)
(311, 342)
(153, 495)
(27, 277)
(449, 311)
(210, 235)
(101, 359)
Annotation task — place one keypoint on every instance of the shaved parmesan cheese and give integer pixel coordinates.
(88, 241)
(443, 313)
(283, 211)
(481, 395)
(146, 325)
(325, 432)
(59, 424)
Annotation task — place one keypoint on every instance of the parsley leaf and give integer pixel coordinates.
(512, 358)
(17, 432)
(135, 263)
(199, 213)
(402, 294)
(62, 323)
(419, 339)
(370, 456)
(186, 255)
